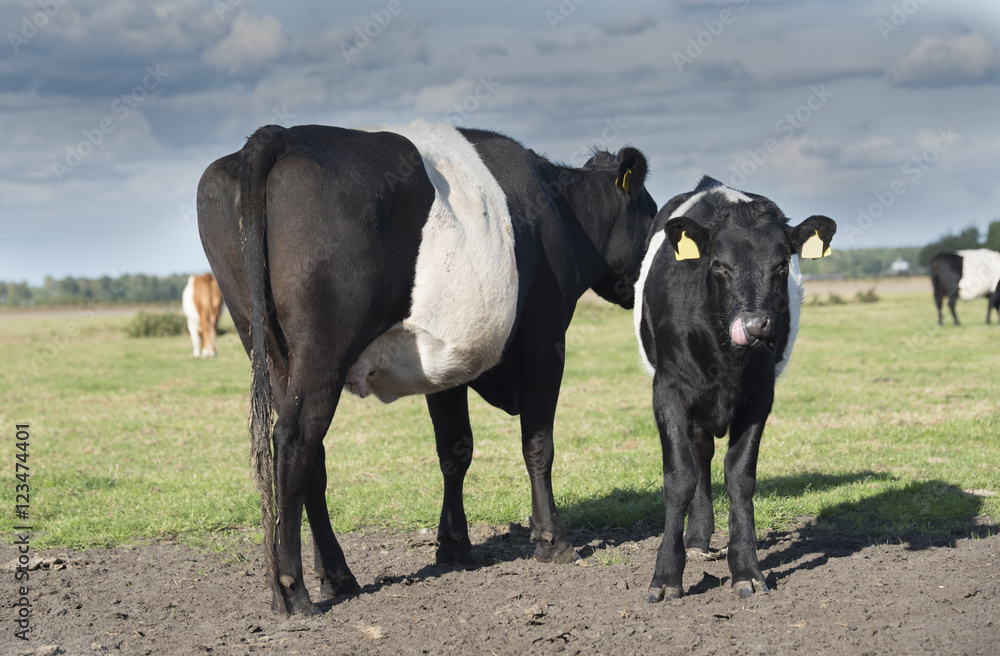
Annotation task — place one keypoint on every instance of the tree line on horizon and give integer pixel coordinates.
(139, 289)
(127, 289)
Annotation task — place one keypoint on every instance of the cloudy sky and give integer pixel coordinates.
(884, 115)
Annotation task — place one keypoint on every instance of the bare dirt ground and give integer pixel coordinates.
(829, 595)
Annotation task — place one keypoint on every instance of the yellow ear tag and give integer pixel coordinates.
(813, 248)
(625, 182)
(686, 248)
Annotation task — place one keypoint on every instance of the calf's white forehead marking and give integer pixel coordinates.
(464, 298)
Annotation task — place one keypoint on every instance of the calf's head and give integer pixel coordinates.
(742, 247)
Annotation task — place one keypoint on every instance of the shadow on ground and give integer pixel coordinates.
(918, 515)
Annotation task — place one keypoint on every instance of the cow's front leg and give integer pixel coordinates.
(680, 481)
(542, 378)
(741, 479)
(449, 412)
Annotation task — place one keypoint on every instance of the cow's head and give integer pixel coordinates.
(743, 246)
(625, 212)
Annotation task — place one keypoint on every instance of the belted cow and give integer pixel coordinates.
(416, 260)
(201, 301)
(966, 275)
(718, 307)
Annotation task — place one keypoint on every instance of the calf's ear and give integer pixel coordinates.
(632, 169)
(811, 238)
(688, 238)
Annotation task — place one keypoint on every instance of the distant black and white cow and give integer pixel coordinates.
(417, 260)
(719, 299)
(966, 275)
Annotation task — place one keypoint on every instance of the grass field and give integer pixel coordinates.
(884, 425)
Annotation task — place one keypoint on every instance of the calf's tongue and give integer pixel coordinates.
(738, 332)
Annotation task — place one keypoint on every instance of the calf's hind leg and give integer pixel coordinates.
(701, 517)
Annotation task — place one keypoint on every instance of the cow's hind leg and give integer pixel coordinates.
(329, 563)
(951, 306)
(449, 412)
(938, 300)
(701, 517)
(302, 422)
(680, 481)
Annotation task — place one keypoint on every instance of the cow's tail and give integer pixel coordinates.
(256, 159)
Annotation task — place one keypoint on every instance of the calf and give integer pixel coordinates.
(201, 301)
(966, 275)
(716, 316)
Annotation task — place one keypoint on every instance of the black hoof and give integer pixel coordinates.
(745, 589)
(663, 593)
(560, 552)
(450, 552)
(329, 589)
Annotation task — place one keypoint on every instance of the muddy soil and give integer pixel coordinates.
(829, 595)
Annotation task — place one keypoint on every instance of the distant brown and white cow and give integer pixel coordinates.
(202, 303)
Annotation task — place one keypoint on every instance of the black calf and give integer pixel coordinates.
(720, 296)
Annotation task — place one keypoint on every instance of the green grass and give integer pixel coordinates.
(884, 425)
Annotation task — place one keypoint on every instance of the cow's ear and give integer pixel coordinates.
(687, 237)
(811, 238)
(632, 169)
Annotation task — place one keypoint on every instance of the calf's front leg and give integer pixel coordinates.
(680, 481)
(741, 479)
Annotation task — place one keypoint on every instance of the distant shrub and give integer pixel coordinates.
(836, 299)
(167, 324)
(867, 297)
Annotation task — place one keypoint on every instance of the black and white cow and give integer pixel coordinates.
(418, 260)
(719, 299)
(966, 275)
